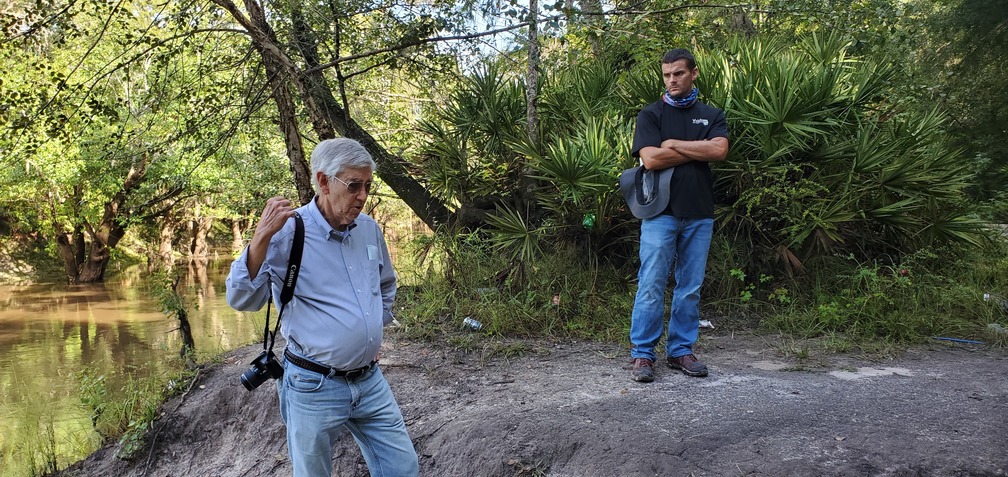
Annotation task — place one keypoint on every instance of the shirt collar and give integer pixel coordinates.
(323, 224)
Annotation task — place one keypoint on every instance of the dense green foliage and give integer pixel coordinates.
(963, 68)
(112, 122)
(463, 278)
(826, 162)
(820, 156)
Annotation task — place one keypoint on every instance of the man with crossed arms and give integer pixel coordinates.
(676, 131)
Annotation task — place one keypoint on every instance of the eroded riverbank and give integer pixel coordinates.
(569, 409)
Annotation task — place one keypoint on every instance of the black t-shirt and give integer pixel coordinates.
(692, 194)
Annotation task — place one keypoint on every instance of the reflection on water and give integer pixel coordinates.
(50, 333)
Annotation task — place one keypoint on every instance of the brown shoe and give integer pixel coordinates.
(643, 370)
(689, 365)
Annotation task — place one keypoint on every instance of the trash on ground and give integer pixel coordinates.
(957, 340)
(994, 297)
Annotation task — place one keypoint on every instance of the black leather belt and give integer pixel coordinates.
(350, 374)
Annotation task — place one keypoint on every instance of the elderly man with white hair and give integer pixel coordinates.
(333, 324)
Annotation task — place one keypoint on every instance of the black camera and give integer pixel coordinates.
(264, 367)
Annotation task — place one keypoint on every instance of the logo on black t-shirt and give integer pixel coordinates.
(700, 121)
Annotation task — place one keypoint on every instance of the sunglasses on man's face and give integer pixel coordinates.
(355, 187)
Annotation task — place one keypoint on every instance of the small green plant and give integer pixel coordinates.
(128, 413)
(93, 394)
(41, 454)
(795, 348)
(780, 296)
(746, 295)
(750, 290)
(524, 468)
(837, 343)
(164, 288)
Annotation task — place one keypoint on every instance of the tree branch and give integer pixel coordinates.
(631, 11)
(421, 41)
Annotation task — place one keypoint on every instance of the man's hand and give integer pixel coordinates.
(274, 216)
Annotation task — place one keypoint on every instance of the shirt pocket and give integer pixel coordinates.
(372, 266)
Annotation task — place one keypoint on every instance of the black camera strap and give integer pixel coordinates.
(293, 266)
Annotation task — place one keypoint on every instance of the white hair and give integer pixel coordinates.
(331, 156)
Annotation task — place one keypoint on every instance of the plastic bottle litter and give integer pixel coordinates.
(471, 323)
(706, 324)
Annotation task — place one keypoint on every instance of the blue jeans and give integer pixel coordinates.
(667, 240)
(315, 408)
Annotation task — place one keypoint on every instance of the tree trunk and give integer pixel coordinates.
(69, 255)
(532, 78)
(279, 78)
(527, 184)
(93, 269)
(741, 22)
(90, 258)
(103, 240)
(237, 235)
(71, 245)
(594, 23)
(188, 344)
(200, 229)
(326, 115)
(190, 232)
(165, 249)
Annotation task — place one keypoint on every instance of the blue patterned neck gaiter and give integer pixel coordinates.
(683, 102)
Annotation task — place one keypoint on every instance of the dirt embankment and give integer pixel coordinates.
(570, 409)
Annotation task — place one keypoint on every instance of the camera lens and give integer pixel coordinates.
(252, 378)
(264, 367)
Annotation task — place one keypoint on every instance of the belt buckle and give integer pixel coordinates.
(356, 373)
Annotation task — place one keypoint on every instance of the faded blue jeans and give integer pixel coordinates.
(667, 241)
(315, 408)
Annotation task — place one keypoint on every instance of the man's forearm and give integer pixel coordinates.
(256, 255)
(709, 150)
(658, 158)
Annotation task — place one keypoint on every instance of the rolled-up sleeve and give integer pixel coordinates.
(647, 133)
(244, 293)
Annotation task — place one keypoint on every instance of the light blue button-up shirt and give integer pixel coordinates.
(344, 291)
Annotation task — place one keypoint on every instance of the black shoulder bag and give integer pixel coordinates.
(266, 365)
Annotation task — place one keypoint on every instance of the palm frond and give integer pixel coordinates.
(513, 236)
(955, 227)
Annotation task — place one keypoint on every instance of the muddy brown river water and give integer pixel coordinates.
(53, 335)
